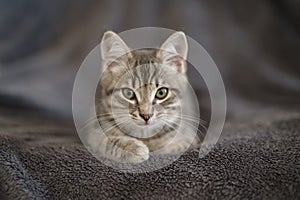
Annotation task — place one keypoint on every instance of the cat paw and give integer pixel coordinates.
(136, 151)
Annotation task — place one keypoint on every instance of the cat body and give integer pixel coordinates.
(141, 101)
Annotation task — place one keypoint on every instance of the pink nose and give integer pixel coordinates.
(146, 117)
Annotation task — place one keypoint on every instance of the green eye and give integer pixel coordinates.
(128, 93)
(161, 93)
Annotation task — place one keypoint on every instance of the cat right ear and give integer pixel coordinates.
(113, 48)
(173, 51)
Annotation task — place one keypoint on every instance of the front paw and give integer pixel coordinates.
(135, 152)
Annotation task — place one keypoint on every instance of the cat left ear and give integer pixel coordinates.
(113, 47)
(173, 51)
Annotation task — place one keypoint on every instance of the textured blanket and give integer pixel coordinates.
(256, 158)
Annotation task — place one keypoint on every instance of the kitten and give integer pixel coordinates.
(141, 101)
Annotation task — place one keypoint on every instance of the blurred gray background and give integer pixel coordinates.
(255, 45)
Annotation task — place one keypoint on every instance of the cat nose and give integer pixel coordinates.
(146, 117)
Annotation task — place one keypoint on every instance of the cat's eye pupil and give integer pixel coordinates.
(128, 93)
(161, 93)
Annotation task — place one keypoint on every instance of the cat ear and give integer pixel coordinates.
(173, 51)
(113, 48)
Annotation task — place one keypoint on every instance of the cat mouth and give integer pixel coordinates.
(144, 124)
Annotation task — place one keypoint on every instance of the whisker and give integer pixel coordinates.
(115, 125)
(194, 127)
(183, 117)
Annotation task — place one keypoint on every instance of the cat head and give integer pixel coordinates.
(143, 89)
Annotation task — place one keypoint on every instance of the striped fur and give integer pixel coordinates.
(127, 136)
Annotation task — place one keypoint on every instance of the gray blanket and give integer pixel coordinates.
(254, 159)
